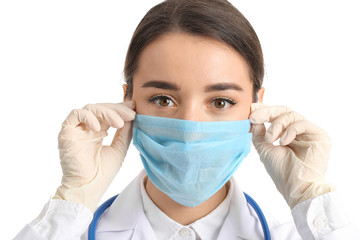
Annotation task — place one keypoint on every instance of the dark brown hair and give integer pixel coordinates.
(217, 19)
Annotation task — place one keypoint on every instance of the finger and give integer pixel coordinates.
(258, 139)
(78, 116)
(124, 109)
(257, 106)
(302, 130)
(258, 130)
(280, 124)
(267, 114)
(119, 147)
(130, 104)
(106, 116)
(122, 138)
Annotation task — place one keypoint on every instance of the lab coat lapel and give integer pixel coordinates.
(143, 230)
(242, 221)
(126, 214)
(125, 218)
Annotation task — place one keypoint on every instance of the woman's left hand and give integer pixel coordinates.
(298, 165)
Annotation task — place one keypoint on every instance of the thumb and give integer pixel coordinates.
(114, 155)
(258, 139)
(122, 139)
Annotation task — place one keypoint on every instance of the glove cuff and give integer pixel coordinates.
(80, 195)
(314, 190)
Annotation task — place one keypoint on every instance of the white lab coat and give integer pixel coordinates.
(241, 223)
(125, 219)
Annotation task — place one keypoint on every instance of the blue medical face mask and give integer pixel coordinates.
(190, 160)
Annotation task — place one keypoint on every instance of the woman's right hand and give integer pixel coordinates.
(88, 166)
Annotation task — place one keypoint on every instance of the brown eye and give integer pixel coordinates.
(222, 103)
(163, 101)
(219, 103)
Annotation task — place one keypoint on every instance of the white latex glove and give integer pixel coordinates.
(298, 165)
(88, 166)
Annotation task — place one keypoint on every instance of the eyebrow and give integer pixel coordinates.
(222, 87)
(208, 88)
(161, 85)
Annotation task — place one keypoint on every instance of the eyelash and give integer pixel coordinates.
(158, 97)
(229, 100)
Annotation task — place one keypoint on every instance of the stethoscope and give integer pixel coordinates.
(105, 205)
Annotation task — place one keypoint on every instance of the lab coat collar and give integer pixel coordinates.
(242, 221)
(127, 212)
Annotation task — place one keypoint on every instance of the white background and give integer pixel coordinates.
(56, 56)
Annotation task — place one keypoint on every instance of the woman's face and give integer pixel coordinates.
(192, 78)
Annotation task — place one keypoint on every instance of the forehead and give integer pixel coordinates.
(180, 56)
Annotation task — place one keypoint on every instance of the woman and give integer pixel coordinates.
(192, 105)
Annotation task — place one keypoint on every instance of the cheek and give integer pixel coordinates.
(244, 112)
(139, 101)
(141, 106)
(248, 111)
(244, 108)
